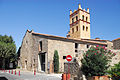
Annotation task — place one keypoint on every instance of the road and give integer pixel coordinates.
(25, 75)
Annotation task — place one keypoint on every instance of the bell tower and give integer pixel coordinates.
(79, 24)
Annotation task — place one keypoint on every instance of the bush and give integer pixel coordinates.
(95, 61)
(115, 72)
(56, 61)
(18, 67)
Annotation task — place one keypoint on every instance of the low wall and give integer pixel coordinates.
(74, 70)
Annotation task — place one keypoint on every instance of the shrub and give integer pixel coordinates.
(56, 61)
(18, 67)
(95, 61)
(115, 72)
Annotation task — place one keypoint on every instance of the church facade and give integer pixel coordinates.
(37, 50)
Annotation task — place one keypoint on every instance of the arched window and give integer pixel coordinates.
(76, 18)
(76, 28)
(87, 19)
(72, 20)
(40, 46)
(86, 28)
(83, 28)
(72, 30)
(82, 17)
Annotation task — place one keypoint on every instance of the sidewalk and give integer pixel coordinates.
(37, 73)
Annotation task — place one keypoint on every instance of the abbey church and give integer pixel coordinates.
(37, 50)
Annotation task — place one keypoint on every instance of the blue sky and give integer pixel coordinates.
(52, 17)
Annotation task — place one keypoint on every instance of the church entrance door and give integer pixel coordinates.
(42, 61)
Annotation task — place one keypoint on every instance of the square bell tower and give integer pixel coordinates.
(79, 24)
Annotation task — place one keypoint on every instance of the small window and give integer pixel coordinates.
(76, 50)
(26, 62)
(72, 30)
(87, 19)
(83, 28)
(83, 17)
(76, 18)
(86, 28)
(26, 41)
(72, 20)
(76, 45)
(41, 45)
(76, 28)
(34, 60)
(64, 57)
(87, 46)
(76, 55)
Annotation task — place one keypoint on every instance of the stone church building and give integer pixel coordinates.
(37, 50)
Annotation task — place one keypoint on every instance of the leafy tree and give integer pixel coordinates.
(7, 50)
(56, 61)
(115, 72)
(96, 61)
(18, 52)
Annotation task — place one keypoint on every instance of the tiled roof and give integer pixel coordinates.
(96, 40)
(116, 39)
(65, 38)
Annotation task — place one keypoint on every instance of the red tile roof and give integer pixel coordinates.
(96, 40)
(74, 39)
(116, 39)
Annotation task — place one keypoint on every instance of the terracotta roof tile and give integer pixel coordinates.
(116, 39)
(87, 41)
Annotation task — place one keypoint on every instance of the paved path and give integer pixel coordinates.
(26, 75)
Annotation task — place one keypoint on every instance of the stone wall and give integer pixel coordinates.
(116, 44)
(36, 44)
(116, 58)
(71, 67)
(109, 45)
(64, 48)
(26, 51)
(30, 50)
(74, 69)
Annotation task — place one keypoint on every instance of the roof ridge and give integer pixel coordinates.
(74, 39)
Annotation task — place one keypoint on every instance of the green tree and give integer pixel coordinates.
(96, 61)
(7, 50)
(18, 52)
(56, 61)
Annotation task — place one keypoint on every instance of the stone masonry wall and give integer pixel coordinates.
(26, 51)
(64, 48)
(36, 44)
(116, 58)
(116, 44)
